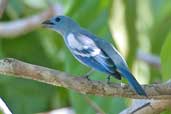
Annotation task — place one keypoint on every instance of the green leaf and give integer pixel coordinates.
(130, 19)
(159, 32)
(166, 58)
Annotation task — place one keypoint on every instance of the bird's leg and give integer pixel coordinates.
(88, 74)
(108, 79)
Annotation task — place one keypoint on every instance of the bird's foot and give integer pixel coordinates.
(108, 79)
(86, 76)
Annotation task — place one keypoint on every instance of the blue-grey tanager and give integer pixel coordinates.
(92, 51)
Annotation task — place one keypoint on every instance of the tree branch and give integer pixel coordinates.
(147, 107)
(22, 26)
(82, 85)
(3, 107)
(149, 59)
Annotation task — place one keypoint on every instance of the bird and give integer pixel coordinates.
(93, 51)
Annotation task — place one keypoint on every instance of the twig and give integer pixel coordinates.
(4, 108)
(94, 106)
(66, 110)
(82, 85)
(3, 4)
(147, 107)
(149, 59)
(22, 26)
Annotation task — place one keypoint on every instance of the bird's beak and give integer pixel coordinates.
(47, 23)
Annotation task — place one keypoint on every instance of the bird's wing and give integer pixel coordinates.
(110, 50)
(84, 46)
(107, 48)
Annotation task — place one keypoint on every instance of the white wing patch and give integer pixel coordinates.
(73, 43)
(82, 43)
(95, 52)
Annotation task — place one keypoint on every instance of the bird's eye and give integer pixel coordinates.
(57, 19)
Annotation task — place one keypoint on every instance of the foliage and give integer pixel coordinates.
(166, 58)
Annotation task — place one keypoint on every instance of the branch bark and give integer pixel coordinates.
(147, 107)
(22, 26)
(82, 85)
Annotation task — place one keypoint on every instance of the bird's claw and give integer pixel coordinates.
(87, 77)
(108, 79)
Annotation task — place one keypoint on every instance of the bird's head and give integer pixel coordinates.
(61, 24)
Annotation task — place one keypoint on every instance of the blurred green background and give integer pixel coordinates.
(131, 25)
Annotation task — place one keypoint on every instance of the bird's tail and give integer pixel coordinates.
(132, 82)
